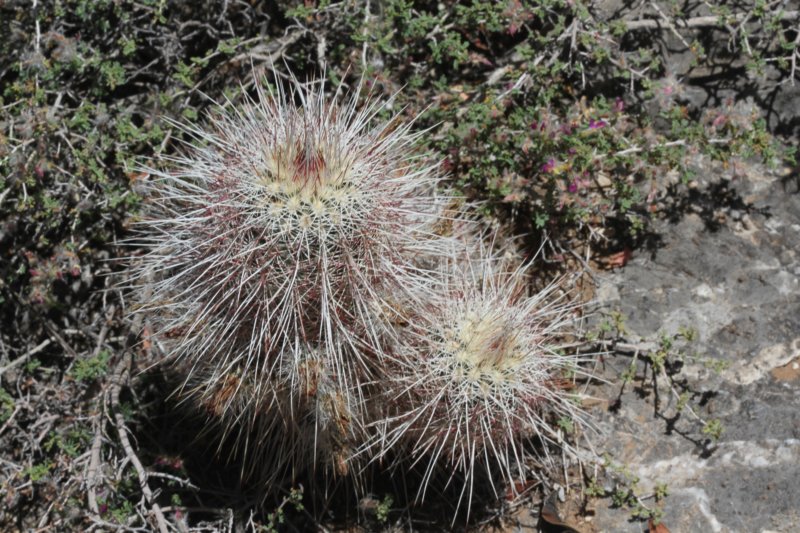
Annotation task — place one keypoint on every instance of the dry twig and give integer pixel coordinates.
(710, 21)
(121, 375)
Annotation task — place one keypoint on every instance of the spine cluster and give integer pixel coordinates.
(326, 307)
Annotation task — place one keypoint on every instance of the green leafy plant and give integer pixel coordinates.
(38, 472)
(278, 517)
(384, 508)
(657, 365)
(628, 495)
(91, 368)
(6, 405)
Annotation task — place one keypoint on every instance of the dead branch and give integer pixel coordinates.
(92, 476)
(709, 21)
(23, 358)
(121, 375)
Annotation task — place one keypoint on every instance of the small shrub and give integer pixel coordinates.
(91, 368)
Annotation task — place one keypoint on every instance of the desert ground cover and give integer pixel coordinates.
(642, 150)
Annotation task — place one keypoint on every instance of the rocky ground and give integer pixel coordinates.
(730, 272)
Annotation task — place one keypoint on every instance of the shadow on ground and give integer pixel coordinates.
(176, 441)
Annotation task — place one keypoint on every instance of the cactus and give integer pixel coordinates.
(280, 233)
(324, 306)
(478, 372)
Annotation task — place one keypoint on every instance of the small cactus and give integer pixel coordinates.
(479, 370)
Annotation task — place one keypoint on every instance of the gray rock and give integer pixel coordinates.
(738, 287)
